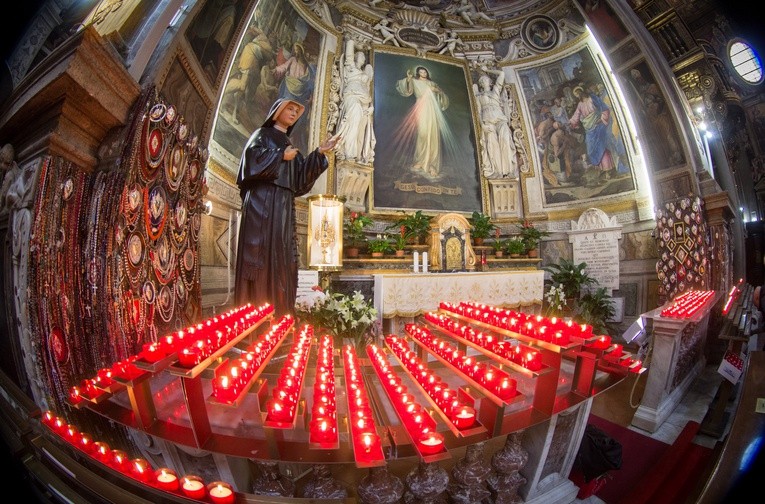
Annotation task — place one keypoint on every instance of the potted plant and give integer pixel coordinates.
(480, 227)
(416, 225)
(379, 246)
(596, 309)
(572, 277)
(514, 246)
(353, 232)
(531, 237)
(399, 241)
(499, 247)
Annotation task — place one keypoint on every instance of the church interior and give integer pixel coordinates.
(538, 237)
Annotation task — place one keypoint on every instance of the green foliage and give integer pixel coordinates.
(499, 244)
(353, 229)
(379, 244)
(530, 234)
(515, 246)
(416, 225)
(480, 225)
(399, 240)
(596, 308)
(572, 277)
(345, 316)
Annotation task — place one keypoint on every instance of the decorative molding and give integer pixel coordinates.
(67, 106)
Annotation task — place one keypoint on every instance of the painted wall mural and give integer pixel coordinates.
(211, 33)
(425, 157)
(579, 141)
(277, 59)
(662, 140)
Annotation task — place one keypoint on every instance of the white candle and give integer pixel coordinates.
(416, 256)
(424, 262)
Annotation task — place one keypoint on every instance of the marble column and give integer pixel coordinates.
(468, 484)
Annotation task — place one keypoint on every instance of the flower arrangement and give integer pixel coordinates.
(531, 235)
(556, 300)
(345, 316)
(353, 228)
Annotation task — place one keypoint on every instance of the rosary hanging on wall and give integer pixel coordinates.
(682, 239)
(162, 200)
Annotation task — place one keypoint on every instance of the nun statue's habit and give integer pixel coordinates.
(267, 254)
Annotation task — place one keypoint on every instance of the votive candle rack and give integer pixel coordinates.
(282, 407)
(322, 432)
(456, 413)
(496, 383)
(366, 452)
(415, 419)
(233, 378)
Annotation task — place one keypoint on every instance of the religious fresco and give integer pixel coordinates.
(601, 18)
(211, 33)
(178, 88)
(577, 131)
(661, 138)
(426, 156)
(540, 32)
(277, 59)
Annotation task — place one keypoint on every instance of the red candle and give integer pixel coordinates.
(220, 492)
(152, 352)
(323, 430)
(368, 441)
(49, 419)
(120, 461)
(223, 388)
(141, 470)
(86, 443)
(431, 442)
(166, 479)
(507, 388)
(193, 487)
(74, 395)
(189, 357)
(103, 452)
(72, 435)
(463, 417)
(279, 411)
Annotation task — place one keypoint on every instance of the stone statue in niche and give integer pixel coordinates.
(10, 171)
(323, 486)
(380, 487)
(505, 479)
(271, 482)
(355, 121)
(426, 484)
(498, 152)
(469, 475)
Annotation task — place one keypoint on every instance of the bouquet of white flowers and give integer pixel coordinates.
(343, 315)
(556, 300)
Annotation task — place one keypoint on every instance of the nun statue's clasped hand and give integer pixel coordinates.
(272, 172)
